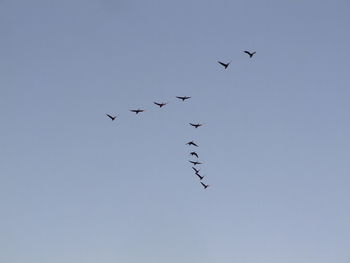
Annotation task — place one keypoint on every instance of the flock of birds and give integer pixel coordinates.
(195, 125)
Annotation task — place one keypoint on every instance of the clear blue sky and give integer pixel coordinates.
(77, 187)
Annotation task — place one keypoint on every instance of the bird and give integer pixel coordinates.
(200, 177)
(196, 125)
(194, 154)
(249, 53)
(192, 143)
(205, 185)
(196, 170)
(183, 98)
(195, 163)
(112, 117)
(137, 111)
(160, 104)
(225, 65)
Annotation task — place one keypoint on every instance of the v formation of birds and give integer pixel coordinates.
(195, 125)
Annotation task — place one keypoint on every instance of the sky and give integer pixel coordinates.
(78, 187)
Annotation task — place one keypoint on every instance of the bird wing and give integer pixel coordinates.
(109, 116)
(247, 52)
(197, 171)
(222, 64)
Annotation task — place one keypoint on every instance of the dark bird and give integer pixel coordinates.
(196, 125)
(137, 111)
(195, 163)
(249, 53)
(200, 177)
(160, 104)
(196, 170)
(192, 143)
(112, 117)
(183, 98)
(205, 185)
(225, 65)
(194, 154)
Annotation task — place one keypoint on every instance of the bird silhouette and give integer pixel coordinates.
(195, 163)
(196, 125)
(249, 53)
(183, 98)
(160, 104)
(194, 154)
(196, 170)
(137, 111)
(225, 65)
(112, 117)
(200, 177)
(192, 143)
(205, 185)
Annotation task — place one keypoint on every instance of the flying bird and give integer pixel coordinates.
(225, 65)
(249, 53)
(137, 111)
(200, 177)
(183, 98)
(160, 104)
(112, 117)
(195, 163)
(196, 125)
(192, 143)
(205, 185)
(196, 170)
(194, 154)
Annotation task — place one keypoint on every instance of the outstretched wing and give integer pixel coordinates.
(250, 53)
(197, 171)
(222, 64)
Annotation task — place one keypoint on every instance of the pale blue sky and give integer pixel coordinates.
(76, 187)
